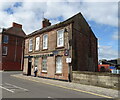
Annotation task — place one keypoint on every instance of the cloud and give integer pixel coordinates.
(32, 12)
(101, 12)
(116, 36)
(107, 52)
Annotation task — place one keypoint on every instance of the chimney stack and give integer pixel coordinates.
(45, 23)
(17, 25)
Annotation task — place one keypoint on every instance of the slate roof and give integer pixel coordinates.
(14, 31)
(48, 28)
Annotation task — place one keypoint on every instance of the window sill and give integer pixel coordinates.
(44, 49)
(30, 51)
(60, 47)
(37, 50)
(44, 72)
(58, 73)
(4, 55)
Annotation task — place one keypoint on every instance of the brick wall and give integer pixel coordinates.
(52, 46)
(84, 46)
(13, 59)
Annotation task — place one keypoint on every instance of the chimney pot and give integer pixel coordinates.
(45, 23)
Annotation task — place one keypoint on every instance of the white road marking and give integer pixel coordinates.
(52, 98)
(6, 89)
(16, 86)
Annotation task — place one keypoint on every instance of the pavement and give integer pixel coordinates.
(93, 90)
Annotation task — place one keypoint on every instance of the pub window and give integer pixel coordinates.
(4, 50)
(30, 44)
(44, 64)
(58, 64)
(60, 38)
(45, 41)
(37, 44)
(5, 39)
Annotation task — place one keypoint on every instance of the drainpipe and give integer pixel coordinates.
(22, 55)
(15, 49)
(68, 47)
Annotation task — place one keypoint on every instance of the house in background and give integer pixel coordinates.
(108, 65)
(12, 47)
(59, 49)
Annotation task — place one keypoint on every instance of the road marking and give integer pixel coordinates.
(16, 86)
(52, 98)
(66, 87)
(6, 89)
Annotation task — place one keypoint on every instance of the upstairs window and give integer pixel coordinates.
(60, 38)
(30, 45)
(45, 41)
(4, 50)
(37, 44)
(5, 39)
(44, 64)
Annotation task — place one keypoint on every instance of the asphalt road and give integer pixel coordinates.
(18, 88)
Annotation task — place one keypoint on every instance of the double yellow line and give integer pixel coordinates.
(103, 96)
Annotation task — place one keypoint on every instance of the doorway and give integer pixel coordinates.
(29, 67)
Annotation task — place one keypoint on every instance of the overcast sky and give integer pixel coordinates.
(101, 16)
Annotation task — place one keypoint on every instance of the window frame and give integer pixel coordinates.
(36, 62)
(44, 58)
(45, 46)
(58, 38)
(5, 54)
(30, 50)
(56, 69)
(36, 43)
(4, 41)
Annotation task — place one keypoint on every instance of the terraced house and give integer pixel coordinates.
(12, 47)
(59, 49)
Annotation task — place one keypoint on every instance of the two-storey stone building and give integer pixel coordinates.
(59, 49)
(12, 47)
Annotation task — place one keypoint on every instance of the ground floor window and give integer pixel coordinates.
(58, 64)
(44, 64)
(36, 62)
(4, 50)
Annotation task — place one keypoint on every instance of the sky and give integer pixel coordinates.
(102, 16)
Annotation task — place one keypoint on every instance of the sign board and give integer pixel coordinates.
(55, 52)
(112, 67)
(68, 60)
(66, 52)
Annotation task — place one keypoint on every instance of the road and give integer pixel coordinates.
(18, 88)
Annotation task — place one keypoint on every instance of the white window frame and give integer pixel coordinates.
(60, 38)
(45, 41)
(5, 39)
(37, 43)
(30, 45)
(59, 65)
(6, 50)
(42, 64)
